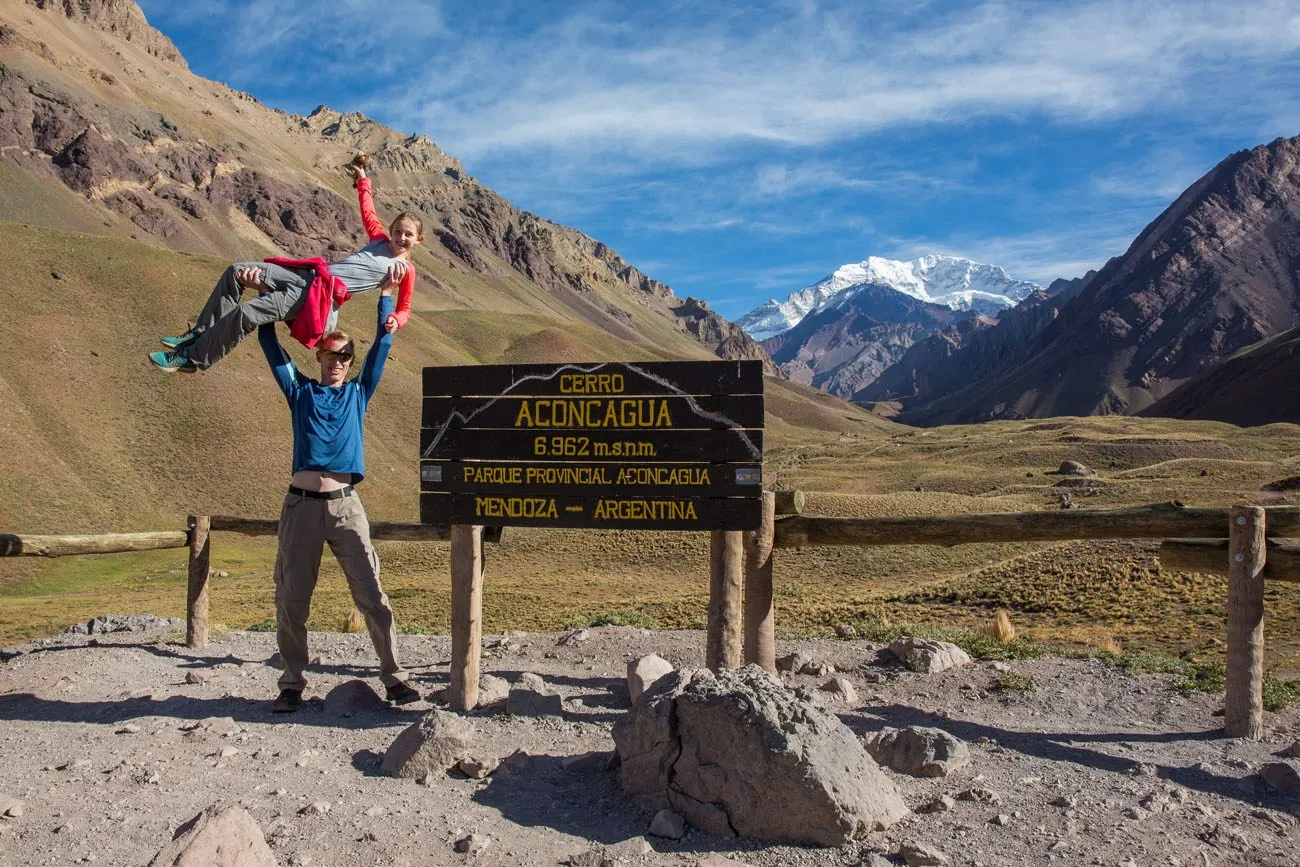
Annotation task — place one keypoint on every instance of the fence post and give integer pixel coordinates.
(196, 598)
(760, 638)
(726, 573)
(1243, 710)
(466, 615)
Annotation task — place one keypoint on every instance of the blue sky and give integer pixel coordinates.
(742, 151)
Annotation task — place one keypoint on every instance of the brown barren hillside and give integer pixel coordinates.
(127, 184)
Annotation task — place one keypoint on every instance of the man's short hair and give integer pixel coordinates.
(337, 335)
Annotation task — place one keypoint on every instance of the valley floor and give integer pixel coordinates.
(1092, 766)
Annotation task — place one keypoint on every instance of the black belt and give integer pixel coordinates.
(322, 495)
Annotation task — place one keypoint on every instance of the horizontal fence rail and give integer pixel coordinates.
(24, 545)
(1162, 520)
(1211, 555)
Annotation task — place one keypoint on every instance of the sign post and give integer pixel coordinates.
(675, 445)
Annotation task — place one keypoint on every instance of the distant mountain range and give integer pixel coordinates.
(841, 333)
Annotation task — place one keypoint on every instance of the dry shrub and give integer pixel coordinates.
(1001, 628)
(354, 622)
(1106, 643)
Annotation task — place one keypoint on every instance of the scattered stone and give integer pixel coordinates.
(1072, 468)
(1067, 801)
(219, 726)
(573, 637)
(668, 824)
(11, 808)
(928, 657)
(875, 859)
(1001, 820)
(840, 689)
(1282, 776)
(428, 747)
(1059, 846)
(916, 854)
(477, 768)
(315, 808)
(1291, 752)
(533, 696)
(472, 844)
(195, 677)
(980, 796)
(846, 630)
(794, 662)
(492, 691)
(918, 750)
(713, 859)
(227, 752)
(714, 746)
(644, 672)
(1001, 667)
(941, 804)
(129, 729)
(592, 858)
(109, 623)
(220, 836)
(817, 668)
(353, 696)
(57, 275)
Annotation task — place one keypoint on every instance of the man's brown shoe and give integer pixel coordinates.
(287, 701)
(402, 693)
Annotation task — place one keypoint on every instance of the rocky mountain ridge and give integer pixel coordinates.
(1217, 271)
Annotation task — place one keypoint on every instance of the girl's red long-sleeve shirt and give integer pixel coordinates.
(376, 231)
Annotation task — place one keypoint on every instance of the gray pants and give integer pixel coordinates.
(306, 525)
(224, 321)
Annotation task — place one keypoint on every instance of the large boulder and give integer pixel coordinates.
(918, 750)
(431, 746)
(220, 836)
(737, 753)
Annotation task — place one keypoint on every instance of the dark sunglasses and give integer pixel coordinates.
(332, 354)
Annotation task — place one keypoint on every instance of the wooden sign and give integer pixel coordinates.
(655, 445)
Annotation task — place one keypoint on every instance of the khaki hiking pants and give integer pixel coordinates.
(306, 525)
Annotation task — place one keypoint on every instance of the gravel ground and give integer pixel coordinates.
(1090, 766)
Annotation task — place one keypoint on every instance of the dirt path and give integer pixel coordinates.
(1092, 767)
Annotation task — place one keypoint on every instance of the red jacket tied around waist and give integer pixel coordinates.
(324, 294)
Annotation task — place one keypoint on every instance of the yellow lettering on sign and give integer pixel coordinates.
(645, 510)
(515, 507)
(640, 412)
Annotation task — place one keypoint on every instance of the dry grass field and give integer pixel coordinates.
(1098, 595)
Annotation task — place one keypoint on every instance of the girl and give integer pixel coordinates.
(304, 292)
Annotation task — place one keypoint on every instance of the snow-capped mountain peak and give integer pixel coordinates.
(948, 280)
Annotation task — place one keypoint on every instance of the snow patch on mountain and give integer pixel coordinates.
(957, 283)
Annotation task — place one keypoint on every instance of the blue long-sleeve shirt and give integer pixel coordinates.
(327, 420)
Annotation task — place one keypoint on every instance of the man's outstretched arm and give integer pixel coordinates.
(281, 365)
(373, 367)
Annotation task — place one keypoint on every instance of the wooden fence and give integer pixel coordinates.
(1227, 541)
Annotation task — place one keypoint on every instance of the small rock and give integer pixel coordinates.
(573, 637)
(980, 796)
(227, 752)
(1291, 752)
(1073, 468)
(1067, 801)
(668, 824)
(492, 692)
(817, 668)
(220, 836)
(644, 672)
(195, 677)
(1059, 846)
(713, 859)
(1001, 820)
(1001, 667)
(11, 808)
(794, 662)
(437, 742)
(353, 696)
(477, 768)
(129, 729)
(57, 275)
(918, 750)
(1282, 776)
(841, 689)
(315, 808)
(928, 657)
(533, 696)
(472, 844)
(941, 804)
(591, 858)
(875, 859)
(603, 760)
(916, 854)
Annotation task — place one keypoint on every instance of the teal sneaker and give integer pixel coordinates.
(170, 362)
(177, 342)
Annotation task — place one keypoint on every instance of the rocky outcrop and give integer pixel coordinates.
(122, 18)
(726, 339)
(737, 754)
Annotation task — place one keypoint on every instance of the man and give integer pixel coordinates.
(321, 506)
